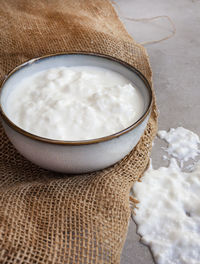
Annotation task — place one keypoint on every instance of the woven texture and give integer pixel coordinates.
(47, 217)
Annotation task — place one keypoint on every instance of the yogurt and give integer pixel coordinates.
(183, 144)
(168, 217)
(75, 103)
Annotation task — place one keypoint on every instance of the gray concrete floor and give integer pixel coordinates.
(176, 74)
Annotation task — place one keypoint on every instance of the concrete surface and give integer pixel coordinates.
(176, 74)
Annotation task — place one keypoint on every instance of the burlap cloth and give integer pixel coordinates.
(53, 218)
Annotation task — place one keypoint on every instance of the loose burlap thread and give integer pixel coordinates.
(46, 217)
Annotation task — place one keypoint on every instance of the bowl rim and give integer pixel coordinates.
(78, 142)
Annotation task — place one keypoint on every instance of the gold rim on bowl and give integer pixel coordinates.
(78, 142)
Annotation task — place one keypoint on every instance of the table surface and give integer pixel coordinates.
(176, 74)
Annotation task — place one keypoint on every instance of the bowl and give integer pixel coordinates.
(75, 156)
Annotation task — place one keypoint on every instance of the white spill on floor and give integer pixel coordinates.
(182, 143)
(168, 217)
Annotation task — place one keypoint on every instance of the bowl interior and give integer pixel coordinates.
(80, 59)
(35, 66)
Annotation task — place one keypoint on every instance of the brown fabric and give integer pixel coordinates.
(47, 217)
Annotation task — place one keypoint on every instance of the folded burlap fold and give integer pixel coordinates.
(52, 218)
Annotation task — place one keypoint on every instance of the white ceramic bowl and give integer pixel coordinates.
(75, 156)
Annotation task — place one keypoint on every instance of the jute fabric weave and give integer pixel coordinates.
(46, 217)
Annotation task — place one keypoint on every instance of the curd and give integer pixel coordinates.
(182, 143)
(75, 103)
(168, 217)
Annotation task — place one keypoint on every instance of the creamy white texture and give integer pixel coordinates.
(182, 143)
(169, 214)
(168, 217)
(75, 103)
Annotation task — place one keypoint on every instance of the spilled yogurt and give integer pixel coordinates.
(75, 103)
(182, 143)
(168, 218)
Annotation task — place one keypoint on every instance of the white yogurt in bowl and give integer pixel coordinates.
(75, 103)
(75, 112)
